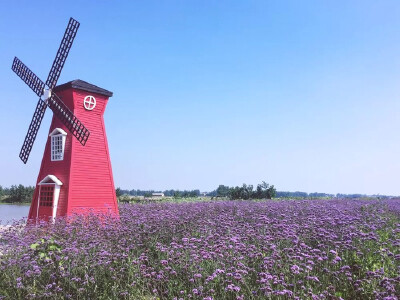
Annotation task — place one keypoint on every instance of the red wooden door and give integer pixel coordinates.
(46, 197)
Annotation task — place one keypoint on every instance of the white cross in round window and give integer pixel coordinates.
(89, 102)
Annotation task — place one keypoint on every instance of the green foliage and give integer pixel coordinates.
(265, 191)
(245, 192)
(223, 191)
(118, 192)
(297, 194)
(177, 194)
(19, 194)
(44, 249)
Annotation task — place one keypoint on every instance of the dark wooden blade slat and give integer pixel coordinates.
(61, 111)
(65, 115)
(62, 53)
(32, 131)
(28, 76)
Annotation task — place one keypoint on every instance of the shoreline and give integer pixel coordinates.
(15, 203)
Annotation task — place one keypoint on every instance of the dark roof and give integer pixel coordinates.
(83, 85)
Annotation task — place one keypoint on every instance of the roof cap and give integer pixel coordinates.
(57, 131)
(83, 85)
(49, 178)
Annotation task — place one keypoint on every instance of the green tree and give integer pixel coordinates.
(235, 193)
(194, 193)
(118, 192)
(246, 191)
(264, 191)
(271, 192)
(223, 191)
(177, 194)
(20, 194)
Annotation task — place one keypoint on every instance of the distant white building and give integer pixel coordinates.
(157, 194)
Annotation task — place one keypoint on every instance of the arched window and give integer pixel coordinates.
(58, 137)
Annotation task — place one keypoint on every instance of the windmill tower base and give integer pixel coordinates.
(76, 179)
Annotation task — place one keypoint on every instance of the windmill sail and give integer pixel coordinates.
(28, 76)
(32, 131)
(62, 53)
(48, 98)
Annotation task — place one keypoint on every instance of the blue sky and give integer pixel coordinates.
(302, 94)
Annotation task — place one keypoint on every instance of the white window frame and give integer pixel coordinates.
(57, 136)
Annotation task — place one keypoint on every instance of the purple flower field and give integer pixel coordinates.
(310, 249)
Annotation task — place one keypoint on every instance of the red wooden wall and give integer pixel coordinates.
(85, 171)
(91, 180)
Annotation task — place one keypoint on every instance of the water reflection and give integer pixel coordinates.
(10, 212)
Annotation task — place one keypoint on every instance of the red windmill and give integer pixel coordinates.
(75, 175)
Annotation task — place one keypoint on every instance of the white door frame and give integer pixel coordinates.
(56, 194)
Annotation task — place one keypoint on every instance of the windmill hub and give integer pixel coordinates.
(46, 94)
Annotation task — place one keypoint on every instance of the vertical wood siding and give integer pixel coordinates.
(86, 171)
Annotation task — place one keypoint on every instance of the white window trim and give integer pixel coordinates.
(56, 133)
(50, 180)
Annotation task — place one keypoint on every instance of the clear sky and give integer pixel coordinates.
(302, 94)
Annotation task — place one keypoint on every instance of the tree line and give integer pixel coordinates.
(262, 191)
(167, 193)
(16, 194)
(298, 194)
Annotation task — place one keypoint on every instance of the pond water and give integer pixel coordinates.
(10, 212)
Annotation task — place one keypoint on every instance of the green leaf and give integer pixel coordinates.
(54, 247)
(34, 246)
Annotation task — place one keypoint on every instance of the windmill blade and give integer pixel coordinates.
(62, 53)
(65, 115)
(32, 131)
(28, 76)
